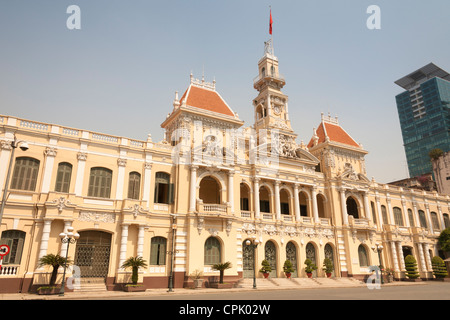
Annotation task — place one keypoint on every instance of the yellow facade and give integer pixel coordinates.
(204, 190)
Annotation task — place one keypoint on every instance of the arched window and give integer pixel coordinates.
(363, 258)
(284, 202)
(303, 204)
(212, 251)
(384, 215)
(25, 174)
(446, 220)
(423, 219)
(163, 188)
(264, 200)
(411, 218)
(15, 240)
(435, 221)
(134, 185)
(398, 216)
(209, 190)
(100, 182)
(352, 207)
(244, 199)
(158, 251)
(63, 177)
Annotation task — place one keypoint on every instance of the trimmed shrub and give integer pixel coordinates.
(411, 267)
(439, 269)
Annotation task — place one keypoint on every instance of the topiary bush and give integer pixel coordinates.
(439, 269)
(411, 267)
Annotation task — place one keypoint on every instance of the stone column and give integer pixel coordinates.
(314, 204)
(82, 156)
(256, 197)
(343, 207)
(193, 188)
(121, 163)
(394, 256)
(421, 258)
(147, 183)
(428, 217)
(231, 190)
(140, 242)
(400, 254)
(390, 212)
(405, 212)
(45, 237)
(427, 256)
(277, 200)
(296, 203)
(50, 154)
(123, 245)
(367, 207)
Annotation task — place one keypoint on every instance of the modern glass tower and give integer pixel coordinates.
(424, 112)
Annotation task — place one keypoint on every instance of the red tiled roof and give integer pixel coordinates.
(335, 133)
(206, 99)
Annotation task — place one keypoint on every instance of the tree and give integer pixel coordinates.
(54, 261)
(411, 267)
(444, 239)
(222, 267)
(135, 263)
(439, 269)
(435, 154)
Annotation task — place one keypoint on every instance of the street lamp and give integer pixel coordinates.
(68, 238)
(14, 144)
(254, 244)
(172, 252)
(377, 248)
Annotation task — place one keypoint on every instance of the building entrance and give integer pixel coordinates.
(92, 254)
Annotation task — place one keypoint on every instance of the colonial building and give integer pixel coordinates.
(195, 198)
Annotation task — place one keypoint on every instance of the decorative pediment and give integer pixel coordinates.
(350, 174)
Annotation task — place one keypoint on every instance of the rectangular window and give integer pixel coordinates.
(63, 177)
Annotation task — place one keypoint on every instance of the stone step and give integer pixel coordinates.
(90, 285)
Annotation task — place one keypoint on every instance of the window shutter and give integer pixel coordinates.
(171, 191)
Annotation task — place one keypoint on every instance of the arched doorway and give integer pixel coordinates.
(291, 255)
(92, 254)
(248, 260)
(328, 250)
(270, 252)
(311, 255)
(352, 207)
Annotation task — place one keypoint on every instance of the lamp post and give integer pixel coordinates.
(377, 248)
(172, 252)
(14, 144)
(68, 238)
(254, 244)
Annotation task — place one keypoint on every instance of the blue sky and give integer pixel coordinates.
(118, 74)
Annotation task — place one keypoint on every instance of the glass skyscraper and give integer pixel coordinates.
(424, 112)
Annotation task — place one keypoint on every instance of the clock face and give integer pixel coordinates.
(277, 109)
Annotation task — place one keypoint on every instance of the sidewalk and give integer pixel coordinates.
(116, 295)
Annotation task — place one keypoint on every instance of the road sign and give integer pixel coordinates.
(4, 250)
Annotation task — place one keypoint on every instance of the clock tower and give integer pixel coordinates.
(271, 105)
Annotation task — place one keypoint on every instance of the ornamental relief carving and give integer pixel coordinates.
(88, 216)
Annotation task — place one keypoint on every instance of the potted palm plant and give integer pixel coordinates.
(328, 267)
(221, 267)
(288, 268)
(310, 267)
(265, 269)
(55, 261)
(134, 263)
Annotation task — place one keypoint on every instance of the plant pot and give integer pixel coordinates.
(198, 283)
(309, 275)
(266, 275)
(288, 275)
(48, 290)
(134, 288)
(328, 274)
(218, 285)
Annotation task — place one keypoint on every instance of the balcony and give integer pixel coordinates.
(9, 270)
(213, 208)
(276, 77)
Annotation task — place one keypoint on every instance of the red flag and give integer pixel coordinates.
(271, 21)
